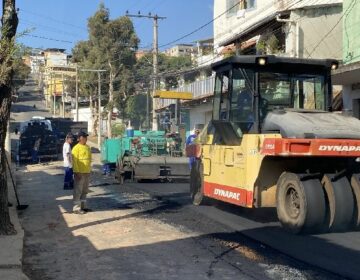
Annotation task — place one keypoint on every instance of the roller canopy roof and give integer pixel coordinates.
(276, 63)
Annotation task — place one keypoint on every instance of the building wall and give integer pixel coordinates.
(55, 58)
(351, 34)
(351, 100)
(351, 55)
(315, 41)
(200, 114)
(36, 62)
(180, 50)
(240, 20)
(85, 116)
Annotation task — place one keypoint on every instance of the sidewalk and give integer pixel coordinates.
(11, 252)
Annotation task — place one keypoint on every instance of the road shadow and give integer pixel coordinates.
(259, 215)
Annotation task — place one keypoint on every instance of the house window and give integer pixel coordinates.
(232, 6)
(249, 4)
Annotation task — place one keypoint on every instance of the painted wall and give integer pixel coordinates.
(85, 116)
(240, 19)
(320, 33)
(200, 114)
(351, 34)
(55, 59)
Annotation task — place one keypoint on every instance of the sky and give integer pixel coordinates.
(60, 24)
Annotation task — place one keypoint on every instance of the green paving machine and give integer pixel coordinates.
(146, 155)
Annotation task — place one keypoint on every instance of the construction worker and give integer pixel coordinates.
(189, 141)
(35, 151)
(81, 156)
(68, 165)
(106, 166)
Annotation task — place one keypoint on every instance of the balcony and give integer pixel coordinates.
(199, 89)
(244, 21)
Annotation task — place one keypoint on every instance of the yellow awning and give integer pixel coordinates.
(173, 95)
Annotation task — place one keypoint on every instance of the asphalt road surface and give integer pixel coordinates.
(151, 231)
(132, 234)
(338, 253)
(30, 103)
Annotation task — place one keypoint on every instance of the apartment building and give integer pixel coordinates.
(348, 74)
(304, 29)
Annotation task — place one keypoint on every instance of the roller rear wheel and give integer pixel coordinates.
(340, 202)
(355, 184)
(300, 204)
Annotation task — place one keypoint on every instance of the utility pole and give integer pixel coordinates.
(62, 96)
(99, 100)
(155, 19)
(147, 109)
(99, 95)
(53, 87)
(77, 95)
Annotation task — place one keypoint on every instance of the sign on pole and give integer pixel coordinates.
(173, 95)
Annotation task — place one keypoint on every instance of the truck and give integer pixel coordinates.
(37, 129)
(274, 141)
(50, 132)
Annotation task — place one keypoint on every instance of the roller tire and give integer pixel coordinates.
(300, 204)
(197, 184)
(355, 184)
(340, 203)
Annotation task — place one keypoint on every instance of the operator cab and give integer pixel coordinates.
(248, 88)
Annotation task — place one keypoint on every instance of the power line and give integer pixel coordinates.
(209, 61)
(346, 29)
(48, 38)
(213, 20)
(49, 28)
(199, 28)
(155, 19)
(53, 19)
(218, 55)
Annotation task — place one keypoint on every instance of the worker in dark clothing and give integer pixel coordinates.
(189, 141)
(35, 151)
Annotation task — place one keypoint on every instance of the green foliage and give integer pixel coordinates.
(166, 65)
(21, 70)
(268, 46)
(136, 110)
(111, 46)
(117, 129)
(273, 44)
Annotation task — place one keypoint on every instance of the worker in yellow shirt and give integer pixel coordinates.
(81, 156)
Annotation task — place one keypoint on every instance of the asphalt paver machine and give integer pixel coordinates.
(274, 141)
(146, 155)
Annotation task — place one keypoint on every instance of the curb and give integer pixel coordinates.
(11, 253)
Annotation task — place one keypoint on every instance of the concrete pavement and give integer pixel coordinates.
(11, 247)
(11, 252)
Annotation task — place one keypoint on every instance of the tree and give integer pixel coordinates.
(87, 81)
(21, 70)
(8, 29)
(143, 81)
(136, 109)
(167, 65)
(113, 43)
